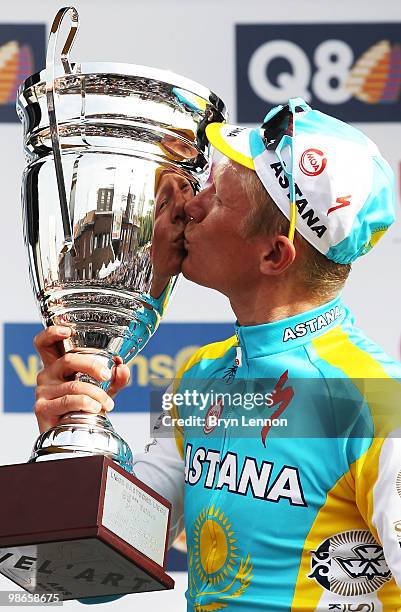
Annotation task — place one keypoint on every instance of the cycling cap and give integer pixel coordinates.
(326, 177)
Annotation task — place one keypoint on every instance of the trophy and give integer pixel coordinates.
(104, 144)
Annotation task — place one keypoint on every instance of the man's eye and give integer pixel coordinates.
(186, 186)
(162, 204)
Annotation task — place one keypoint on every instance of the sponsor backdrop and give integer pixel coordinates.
(344, 58)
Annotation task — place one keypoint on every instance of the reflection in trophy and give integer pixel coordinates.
(105, 145)
(172, 191)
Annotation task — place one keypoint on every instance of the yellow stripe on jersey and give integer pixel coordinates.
(340, 512)
(367, 374)
(335, 516)
(210, 351)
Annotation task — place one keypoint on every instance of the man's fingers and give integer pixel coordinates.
(70, 364)
(48, 412)
(76, 387)
(121, 376)
(47, 343)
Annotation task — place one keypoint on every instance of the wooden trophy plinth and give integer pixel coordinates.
(82, 527)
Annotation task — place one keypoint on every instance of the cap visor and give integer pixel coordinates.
(232, 141)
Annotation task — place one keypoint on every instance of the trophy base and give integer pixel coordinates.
(82, 434)
(82, 527)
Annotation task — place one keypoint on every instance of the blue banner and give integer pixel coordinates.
(22, 53)
(176, 560)
(169, 348)
(349, 70)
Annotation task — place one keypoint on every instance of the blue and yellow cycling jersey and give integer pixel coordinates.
(303, 516)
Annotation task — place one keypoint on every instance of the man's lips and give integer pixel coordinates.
(180, 241)
(179, 237)
(188, 236)
(187, 231)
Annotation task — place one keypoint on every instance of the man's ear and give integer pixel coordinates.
(277, 255)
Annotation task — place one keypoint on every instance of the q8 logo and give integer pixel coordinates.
(352, 71)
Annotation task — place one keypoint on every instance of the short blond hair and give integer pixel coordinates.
(322, 278)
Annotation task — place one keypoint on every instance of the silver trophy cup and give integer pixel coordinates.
(106, 145)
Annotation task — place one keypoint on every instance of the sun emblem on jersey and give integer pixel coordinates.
(217, 574)
(350, 563)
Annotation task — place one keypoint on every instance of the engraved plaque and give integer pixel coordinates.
(135, 516)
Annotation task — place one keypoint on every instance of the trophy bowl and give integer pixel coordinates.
(101, 140)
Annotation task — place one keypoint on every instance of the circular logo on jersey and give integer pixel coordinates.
(312, 162)
(212, 416)
(398, 483)
(350, 563)
(215, 564)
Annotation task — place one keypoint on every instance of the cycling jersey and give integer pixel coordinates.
(299, 517)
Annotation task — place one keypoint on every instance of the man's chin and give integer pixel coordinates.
(186, 268)
(193, 274)
(189, 271)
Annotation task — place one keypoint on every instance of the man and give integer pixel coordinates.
(304, 519)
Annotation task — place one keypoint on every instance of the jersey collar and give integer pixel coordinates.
(286, 334)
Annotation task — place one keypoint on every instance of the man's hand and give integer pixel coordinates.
(58, 392)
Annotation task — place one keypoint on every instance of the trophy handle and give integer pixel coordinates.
(54, 133)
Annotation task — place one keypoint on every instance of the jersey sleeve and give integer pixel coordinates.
(161, 467)
(379, 497)
(378, 477)
(386, 515)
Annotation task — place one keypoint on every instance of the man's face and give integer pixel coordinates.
(218, 254)
(168, 249)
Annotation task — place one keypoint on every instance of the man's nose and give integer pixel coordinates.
(195, 208)
(177, 210)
